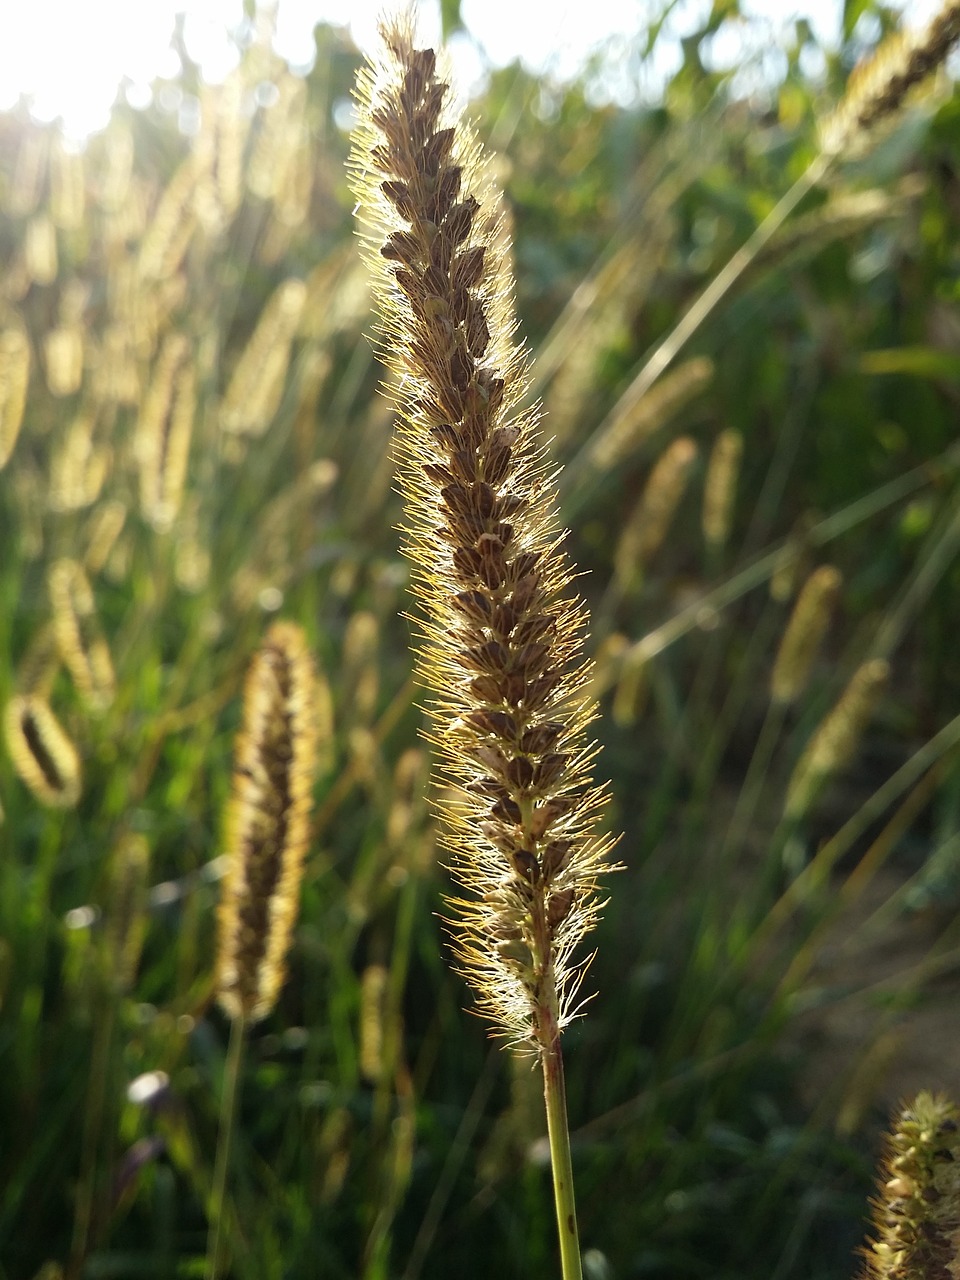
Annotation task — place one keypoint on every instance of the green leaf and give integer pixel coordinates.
(924, 362)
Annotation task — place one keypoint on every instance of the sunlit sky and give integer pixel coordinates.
(69, 56)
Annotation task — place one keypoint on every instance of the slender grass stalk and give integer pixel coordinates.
(84, 1211)
(503, 637)
(228, 1118)
(558, 1133)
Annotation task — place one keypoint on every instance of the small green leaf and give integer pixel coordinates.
(924, 362)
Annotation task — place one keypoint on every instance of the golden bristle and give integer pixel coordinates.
(267, 824)
(81, 643)
(804, 633)
(835, 741)
(503, 636)
(916, 1215)
(638, 420)
(42, 754)
(720, 487)
(14, 379)
(256, 387)
(649, 522)
(879, 86)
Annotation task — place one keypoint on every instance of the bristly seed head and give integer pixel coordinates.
(268, 824)
(916, 1216)
(502, 649)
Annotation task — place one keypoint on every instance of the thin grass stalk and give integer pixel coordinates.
(93, 1113)
(216, 1243)
(561, 1164)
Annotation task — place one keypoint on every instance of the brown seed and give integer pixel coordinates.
(559, 907)
(527, 865)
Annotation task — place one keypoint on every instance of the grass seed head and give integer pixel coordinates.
(14, 379)
(502, 634)
(42, 753)
(879, 86)
(720, 487)
(804, 634)
(81, 642)
(916, 1215)
(268, 824)
(835, 741)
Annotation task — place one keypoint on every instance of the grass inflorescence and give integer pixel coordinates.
(503, 634)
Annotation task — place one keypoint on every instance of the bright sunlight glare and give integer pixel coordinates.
(70, 58)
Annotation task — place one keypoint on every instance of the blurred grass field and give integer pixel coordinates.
(193, 444)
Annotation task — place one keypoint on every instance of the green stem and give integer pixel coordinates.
(228, 1112)
(93, 1118)
(558, 1132)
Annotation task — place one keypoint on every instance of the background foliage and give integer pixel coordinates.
(766, 988)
